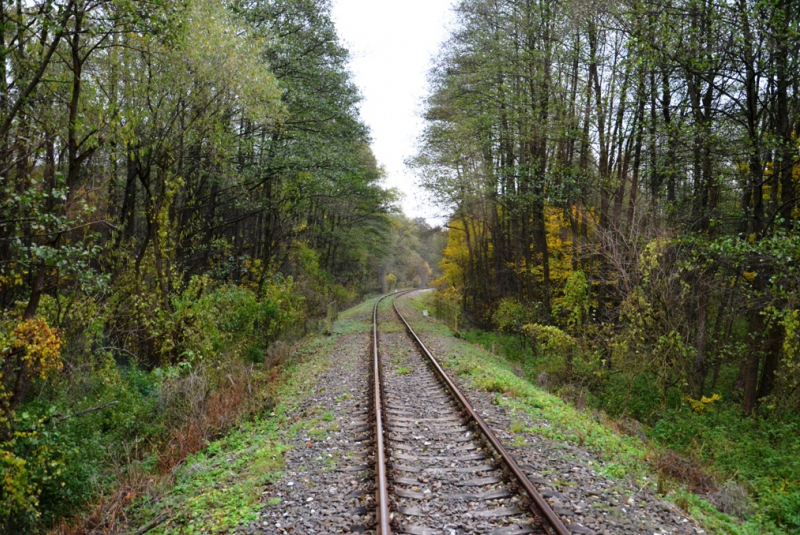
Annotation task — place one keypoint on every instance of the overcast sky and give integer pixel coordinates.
(392, 44)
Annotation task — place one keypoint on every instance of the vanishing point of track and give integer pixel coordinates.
(439, 468)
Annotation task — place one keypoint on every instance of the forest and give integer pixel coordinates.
(184, 184)
(622, 184)
(187, 188)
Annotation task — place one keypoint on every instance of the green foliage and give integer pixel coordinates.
(764, 455)
(553, 343)
(63, 461)
(389, 282)
(510, 316)
(575, 303)
(208, 322)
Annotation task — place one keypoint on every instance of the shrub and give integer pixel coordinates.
(31, 351)
(575, 303)
(783, 507)
(208, 322)
(389, 282)
(560, 347)
(510, 316)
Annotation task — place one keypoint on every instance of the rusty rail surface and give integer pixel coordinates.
(544, 510)
(381, 483)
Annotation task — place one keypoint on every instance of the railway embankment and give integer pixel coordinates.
(306, 464)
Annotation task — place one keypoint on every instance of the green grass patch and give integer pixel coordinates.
(220, 487)
(764, 455)
(558, 420)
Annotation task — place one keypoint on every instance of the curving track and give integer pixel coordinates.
(439, 468)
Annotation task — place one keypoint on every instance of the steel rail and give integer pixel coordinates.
(382, 485)
(381, 480)
(544, 508)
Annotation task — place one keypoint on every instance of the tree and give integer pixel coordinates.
(670, 125)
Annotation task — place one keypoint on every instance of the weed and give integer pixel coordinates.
(220, 487)
(684, 470)
(316, 433)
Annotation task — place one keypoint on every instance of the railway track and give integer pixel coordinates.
(438, 466)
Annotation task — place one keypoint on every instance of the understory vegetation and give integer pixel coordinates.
(622, 181)
(745, 467)
(729, 473)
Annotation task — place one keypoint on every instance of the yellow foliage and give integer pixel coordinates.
(455, 257)
(704, 404)
(40, 344)
(791, 342)
(559, 243)
(36, 351)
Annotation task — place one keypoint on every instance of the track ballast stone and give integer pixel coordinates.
(328, 481)
(444, 478)
(565, 475)
(327, 484)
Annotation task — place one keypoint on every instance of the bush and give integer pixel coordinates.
(762, 454)
(783, 507)
(207, 320)
(560, 348)
(138, 391)
(510, 316)
(574, 305)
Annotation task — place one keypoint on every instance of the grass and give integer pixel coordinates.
(220, 487)
(558, 420)
(517, 426)
(724, 440)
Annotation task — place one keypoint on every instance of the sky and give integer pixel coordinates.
(392, 45)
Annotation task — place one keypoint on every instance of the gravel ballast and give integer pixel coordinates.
(566, 475)
(327, 482)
